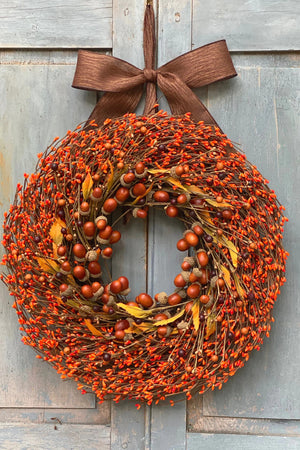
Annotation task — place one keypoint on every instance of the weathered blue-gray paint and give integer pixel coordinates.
(259, 407)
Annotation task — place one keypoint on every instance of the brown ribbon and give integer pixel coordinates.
(124, 83)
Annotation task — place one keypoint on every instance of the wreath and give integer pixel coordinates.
(61, 231)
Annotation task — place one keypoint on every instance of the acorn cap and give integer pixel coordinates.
(162, 297)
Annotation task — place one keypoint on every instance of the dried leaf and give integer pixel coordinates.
(55, 231)
(170, 320)
(175, 182)
(48, 265)
(110, 179)
(226, 275)
(91, 327)
(195, 312)
(238, 286)
(140, 329)
(54, 249)
(135, 312)
(232, 250)
(155, 171)
(87, 186)
(212, 202)
(210, 325)
(195, 190)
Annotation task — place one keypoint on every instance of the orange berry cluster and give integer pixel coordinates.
(62, 228)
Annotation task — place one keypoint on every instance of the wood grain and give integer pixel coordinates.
(56, 24)
(248, 25)
(37, 104)
(196, 441)
(127, 423)
(49, 437)
(260, 110)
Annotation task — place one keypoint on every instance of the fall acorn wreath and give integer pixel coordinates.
(61, 229)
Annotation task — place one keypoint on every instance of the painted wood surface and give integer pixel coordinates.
(245, 442)
(55, 436)
(37, 104)
(248, 25)
(56, 24)
(259, 407)
(260, 109)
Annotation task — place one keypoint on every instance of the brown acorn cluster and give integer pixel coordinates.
(61, 230)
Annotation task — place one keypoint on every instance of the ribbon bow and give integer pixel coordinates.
(124, 83)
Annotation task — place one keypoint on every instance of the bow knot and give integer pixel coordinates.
(150, 75)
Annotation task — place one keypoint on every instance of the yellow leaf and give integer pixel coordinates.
(135, 312)
(48, 265)
(238, 286)
(212, 202)
(110, 179)
(155, 171)
(55, 231)
(232, 250)
(170, 320)
(91, 327)
(195, 312)
(143, 327)
(226, 275)
(175, 182)
(194, 189)
(210, 326)
(87, 186)
(54, 247)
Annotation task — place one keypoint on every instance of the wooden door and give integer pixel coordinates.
(259, 408)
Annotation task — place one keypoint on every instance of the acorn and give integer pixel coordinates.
(115, 237)
(115, 287)
(65, 289)
(89, 229)
(97, 289)
(61, 250)
(80, 273)
(94, 269)
(182, 245)
(202, 257)
(172, 211)
(127, 179)
(84, 209)
(174, 299)
(193, 290)
(65, 268)
(96, 194)
(145, 300)
(164, 331)
(122, 194)
(139, 213)
(87, 291)
(191, 238)
(92, 255)
(101, 222)
(161, 196)
(162, 298)
(140, 171)
(107, 253)
(179, 281)
(79, 251)
(109, 206)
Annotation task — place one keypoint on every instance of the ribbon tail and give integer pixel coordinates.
(182, 99)
(115, 104)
